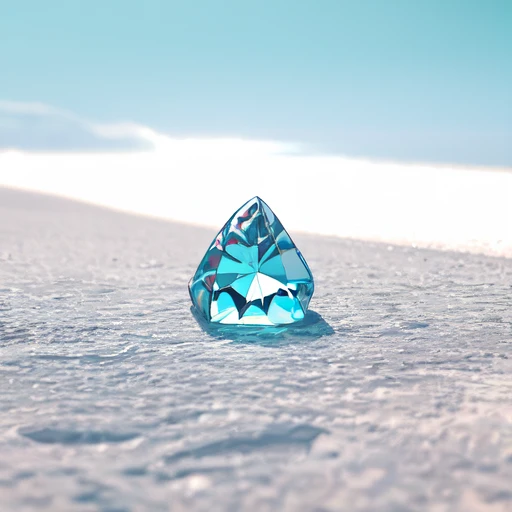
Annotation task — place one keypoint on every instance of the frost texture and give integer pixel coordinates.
(394, 395)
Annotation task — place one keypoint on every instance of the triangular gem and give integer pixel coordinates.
(252, 273)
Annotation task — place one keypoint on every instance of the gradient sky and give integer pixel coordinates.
(414, 80)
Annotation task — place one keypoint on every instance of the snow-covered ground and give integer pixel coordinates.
(395, 394)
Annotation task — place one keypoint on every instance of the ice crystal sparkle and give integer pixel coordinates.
(252, 273)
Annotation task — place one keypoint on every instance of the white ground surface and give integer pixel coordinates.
(396, 395)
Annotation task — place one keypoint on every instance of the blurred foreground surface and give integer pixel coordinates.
(395, 395)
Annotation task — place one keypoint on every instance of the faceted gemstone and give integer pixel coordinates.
(252, 273)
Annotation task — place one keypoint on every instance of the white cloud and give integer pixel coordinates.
(41, 127)
(35, 108)
(37, 126)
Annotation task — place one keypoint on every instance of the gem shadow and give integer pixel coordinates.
(311, 328)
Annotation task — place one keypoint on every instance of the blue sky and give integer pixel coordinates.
(411, 80)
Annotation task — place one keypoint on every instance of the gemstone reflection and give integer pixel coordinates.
(252, 273)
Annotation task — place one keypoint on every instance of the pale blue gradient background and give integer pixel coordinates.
(423, 80)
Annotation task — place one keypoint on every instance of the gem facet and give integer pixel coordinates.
(252, 273)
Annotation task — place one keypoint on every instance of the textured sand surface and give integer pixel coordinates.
(395, 395)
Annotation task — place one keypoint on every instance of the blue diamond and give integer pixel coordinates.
(252, 273)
